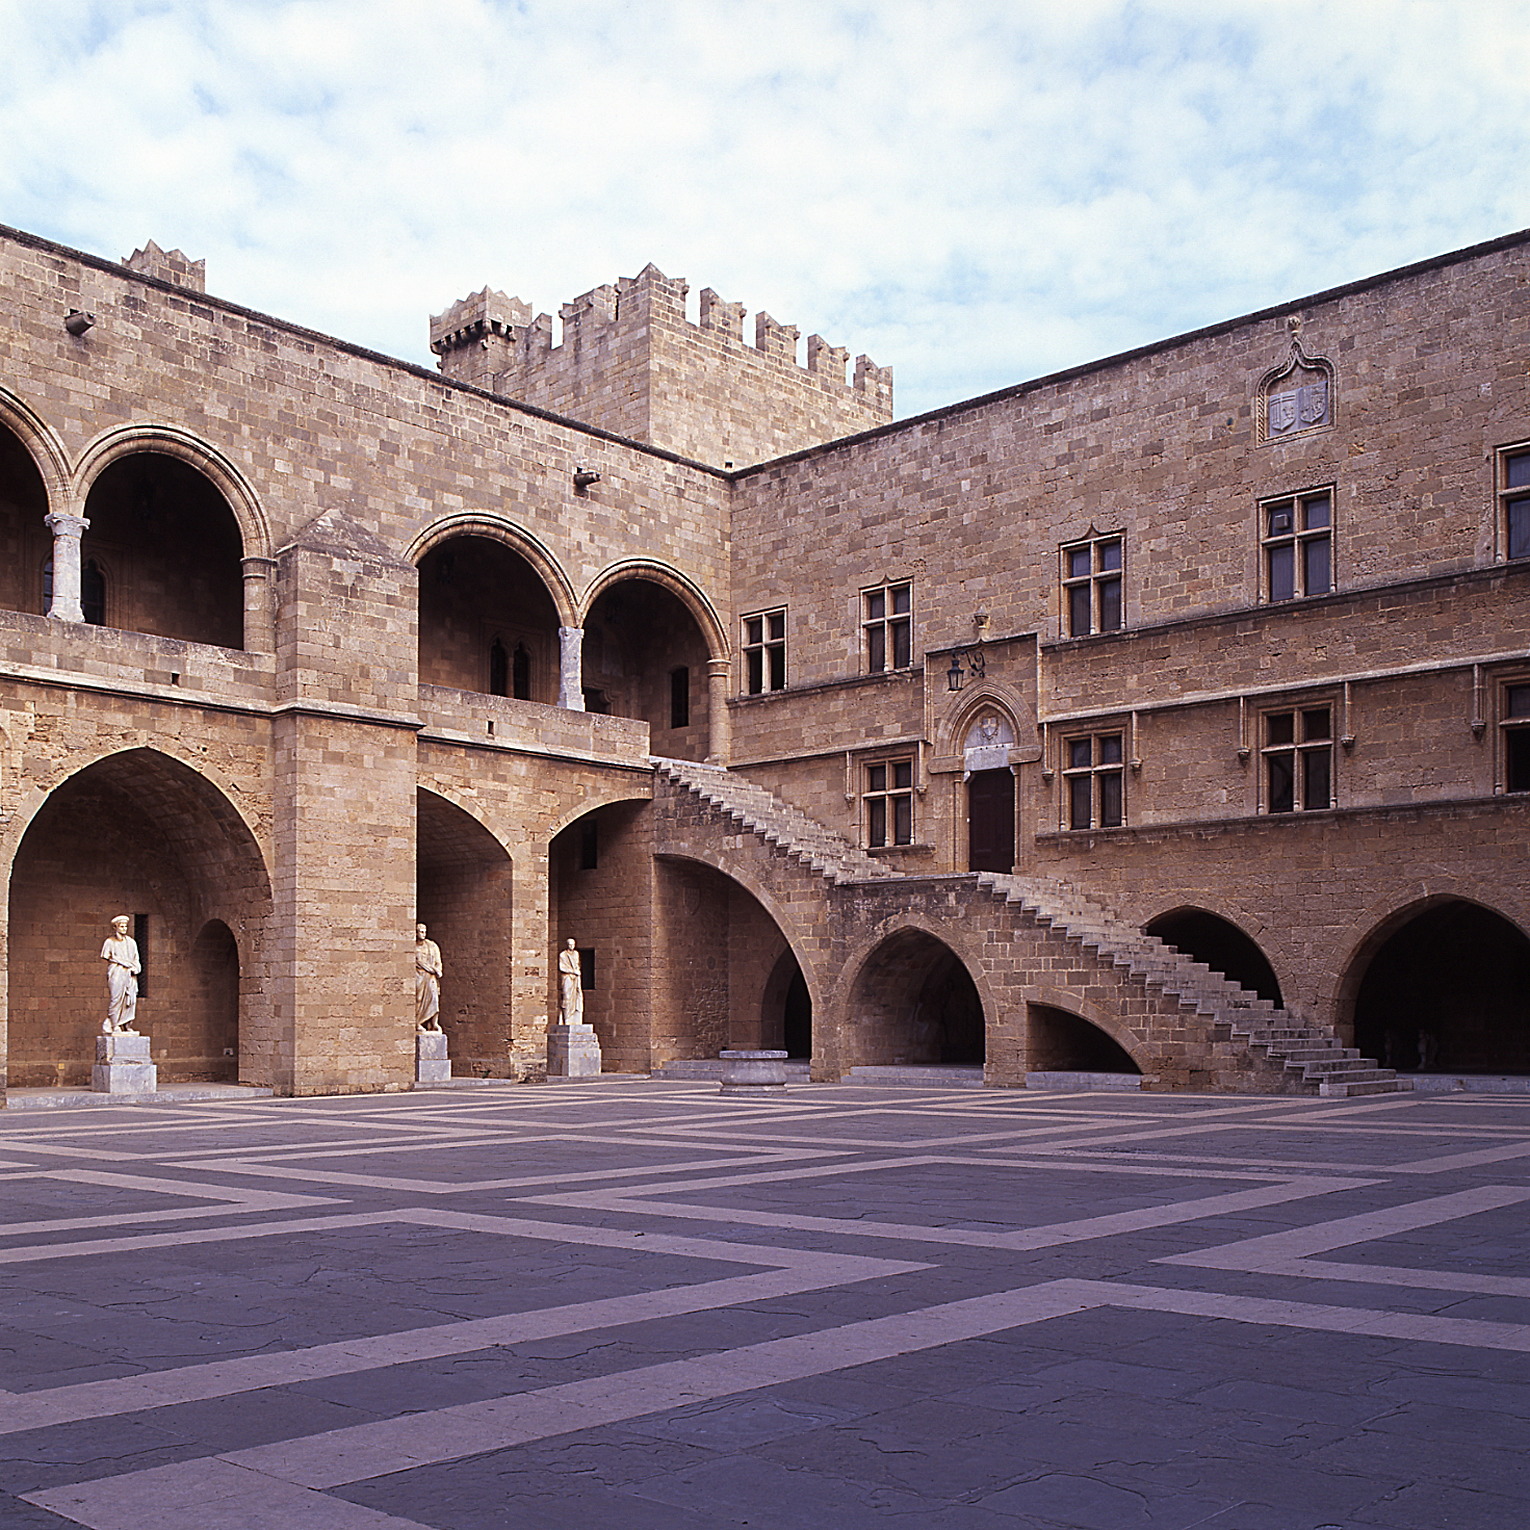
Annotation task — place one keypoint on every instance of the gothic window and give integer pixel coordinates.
(1298, 760)
(499, 669)
(1297, 537)
(887, 626)
(1094, 780)
(765, 652)
(889, 803)
(520, 673)
(1092, 585)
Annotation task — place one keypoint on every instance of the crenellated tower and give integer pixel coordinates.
(632, 362)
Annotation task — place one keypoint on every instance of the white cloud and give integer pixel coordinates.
(974, 191)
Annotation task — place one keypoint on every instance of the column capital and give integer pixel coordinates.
(720, 667)
(66, 525)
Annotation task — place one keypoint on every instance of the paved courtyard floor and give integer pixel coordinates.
(634, 1305)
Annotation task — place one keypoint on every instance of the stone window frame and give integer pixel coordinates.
(1288, 750)
(1093, 767)
(1297, 537)
(1088, 591)
(888, 784)
(763, 646)
(1511, 511)
(1513, 732)
(884, 623)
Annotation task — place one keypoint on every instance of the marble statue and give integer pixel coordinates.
(427, 981)
(120, 953)
(570, 987)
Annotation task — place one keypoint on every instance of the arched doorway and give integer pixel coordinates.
(990, 786)
(25, 541)
(463, 895)
(1447, 990)
(1221, 945)
(786, 1010)
(162, 553)
(487, 621)
(1061, 1042)
(645, 656)
(141, 834)
(914, 1002)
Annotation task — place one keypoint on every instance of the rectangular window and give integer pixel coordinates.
(1516, 737)
(1094, 782)
(1297, 536)
(1298, 760)
(680, 696)
(889, 801)
(1514, 498)
(887, 623)
(586, 967)
(765, 652)
(1092, 585)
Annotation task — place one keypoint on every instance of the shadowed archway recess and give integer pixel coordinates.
(914, 1002)
(1447, 990)
(1061, 1042)
(464, 895)
(25, 541)
(1207, 937)
(141, 834)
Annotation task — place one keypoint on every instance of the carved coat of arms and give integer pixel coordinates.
(1298, 408)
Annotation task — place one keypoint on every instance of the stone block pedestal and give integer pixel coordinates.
(753, 1073)
(573, 1051)
(431, 1063)
(123, 1066)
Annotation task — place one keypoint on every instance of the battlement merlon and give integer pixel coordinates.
(174, 266)
(876, 383)
(475, 317)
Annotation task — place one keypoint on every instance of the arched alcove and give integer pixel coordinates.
(487, 621)
(25, 540)
(786, 1009)
(1445, 989)
(645, 656)
(463, 895)
(141, 834)
(915, 1002)
(1061, 1042)
(1221, 945)
(167, 550)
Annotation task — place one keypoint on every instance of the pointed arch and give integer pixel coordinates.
(171, 441)
(500, 528)
(689, 594)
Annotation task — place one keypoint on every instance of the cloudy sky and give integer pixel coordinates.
(974, 191)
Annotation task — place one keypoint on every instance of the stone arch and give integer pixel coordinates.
(1296, 367)
(143, 833)
(689, 594)
(786, 1008)
(988, 696)
(911, 999)
(654, 650)
(1063, 1037)
(464, 893)
(1441, 984)
(178, 523)
(171, 441)
(1221, 943)
(42, 444)
(27, 498)
(500, 529)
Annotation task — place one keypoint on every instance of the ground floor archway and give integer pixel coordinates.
(141, 834)
(914, 1002)
(786, 1011)
(1207, 937)
(464, 897)
(1446, 990)
(1061, 1042)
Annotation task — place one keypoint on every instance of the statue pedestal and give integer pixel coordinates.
(123, 1066)
(573, 1051)
(753, 1073)
(431, 1064)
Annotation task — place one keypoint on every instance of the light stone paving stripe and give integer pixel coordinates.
(1269, 1249)
(225, 1378)
(1471, 1160)
(1021, 1240)
(167, 1497)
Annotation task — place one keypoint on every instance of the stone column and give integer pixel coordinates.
(719, 741)
(259, 629)
(571, 668)
(67, 531)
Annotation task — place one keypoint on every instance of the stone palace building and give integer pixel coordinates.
(1167, 716)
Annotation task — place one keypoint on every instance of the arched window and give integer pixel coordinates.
(499, 669)
(520, 673)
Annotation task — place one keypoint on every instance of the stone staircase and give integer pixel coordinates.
(1312, 1055)
(1312, 1059)
(761, 812)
